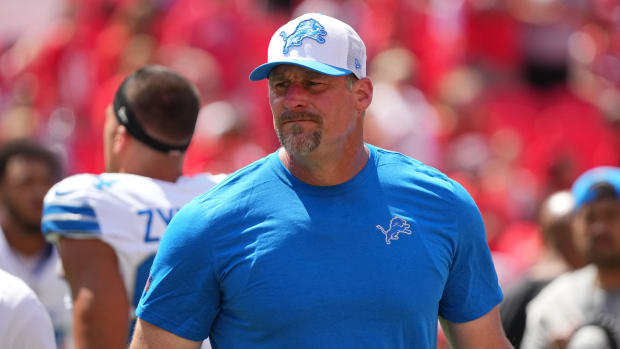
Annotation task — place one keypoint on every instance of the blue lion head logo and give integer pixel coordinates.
(308, 28)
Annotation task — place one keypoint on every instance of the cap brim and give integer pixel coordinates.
(262, 71)
(582, 188)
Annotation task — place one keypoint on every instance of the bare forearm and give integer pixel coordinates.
(99, 322)
(100, 305)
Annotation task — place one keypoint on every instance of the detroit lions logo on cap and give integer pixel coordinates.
(308, 28)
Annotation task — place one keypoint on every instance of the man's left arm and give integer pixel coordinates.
(485, 332)
(469, 308)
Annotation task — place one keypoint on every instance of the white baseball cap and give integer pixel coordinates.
(317, 42)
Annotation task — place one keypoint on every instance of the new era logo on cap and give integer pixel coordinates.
(317, 42)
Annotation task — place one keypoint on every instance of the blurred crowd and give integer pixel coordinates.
(513, 98)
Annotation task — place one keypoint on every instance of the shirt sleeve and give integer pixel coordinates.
(182, 293)
(68, 210)
(472, 288)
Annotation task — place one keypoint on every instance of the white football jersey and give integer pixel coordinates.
(41, 275)
(128, 212)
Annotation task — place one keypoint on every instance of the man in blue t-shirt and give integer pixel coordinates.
(328, 242)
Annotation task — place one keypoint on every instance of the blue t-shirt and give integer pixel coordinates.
(264, 260)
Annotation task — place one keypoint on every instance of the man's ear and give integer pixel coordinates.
(362, 92)
(120, 140)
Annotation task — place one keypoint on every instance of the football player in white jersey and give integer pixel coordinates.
(27, 172)
(108, 226)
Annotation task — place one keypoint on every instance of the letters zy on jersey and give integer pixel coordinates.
(152, 216)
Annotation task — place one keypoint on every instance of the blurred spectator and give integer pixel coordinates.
(435, 31)
(27, 18)
(560, 133)
(557, 256)
(220, 144)
(24, 323)
(590, 295)
(27, 171)
(400, 117)
(18, 121)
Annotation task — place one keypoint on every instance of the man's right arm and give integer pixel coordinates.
(100, 305)
(147, 336)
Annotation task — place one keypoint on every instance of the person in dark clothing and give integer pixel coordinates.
(559, 255)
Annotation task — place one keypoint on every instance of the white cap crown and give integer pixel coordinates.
(317, 42)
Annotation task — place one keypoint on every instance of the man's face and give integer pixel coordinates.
(25, 183)
(309, 108)
(597, 228)
(109, 131)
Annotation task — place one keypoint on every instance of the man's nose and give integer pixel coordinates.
(296, 97)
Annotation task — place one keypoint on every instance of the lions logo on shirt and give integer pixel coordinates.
(397, 226)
